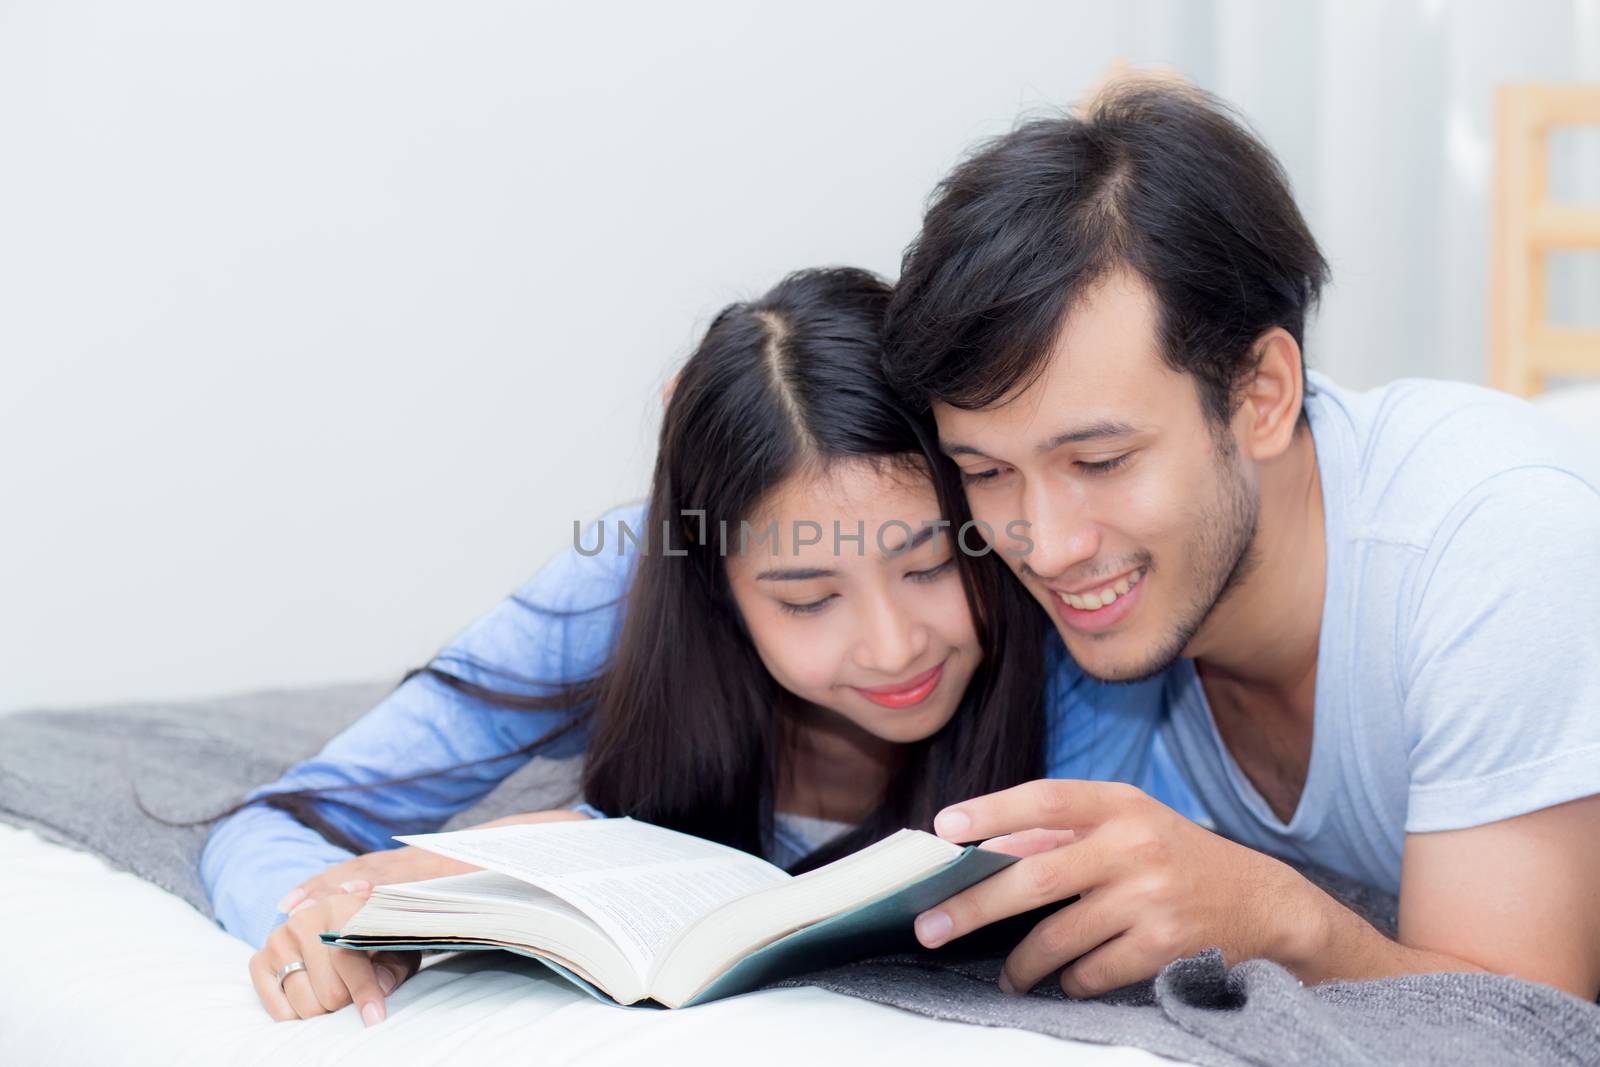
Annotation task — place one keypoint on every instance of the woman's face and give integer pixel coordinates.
(862, 626)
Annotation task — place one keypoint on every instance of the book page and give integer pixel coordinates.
(641, 884)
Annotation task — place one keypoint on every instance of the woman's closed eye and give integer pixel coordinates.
(809, 608)
(932, 574)
(929, 574)
(976, 477)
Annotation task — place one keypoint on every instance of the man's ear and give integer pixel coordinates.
(1271, 397)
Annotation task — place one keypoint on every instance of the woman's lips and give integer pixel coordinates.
(906, 693)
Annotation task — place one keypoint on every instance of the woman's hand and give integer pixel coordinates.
(360, 873)
(405, 864)
(333, 977)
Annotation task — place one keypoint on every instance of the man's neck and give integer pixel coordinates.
(1264, 634)
(1257, 653)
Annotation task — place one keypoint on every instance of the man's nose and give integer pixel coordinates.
(1062, 532)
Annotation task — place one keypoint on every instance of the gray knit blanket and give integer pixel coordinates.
(71, 774)
(1256, 1013)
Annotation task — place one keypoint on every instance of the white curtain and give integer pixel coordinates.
(1382, 112)
(321, 320)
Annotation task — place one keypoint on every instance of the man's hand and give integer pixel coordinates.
(1153, 886)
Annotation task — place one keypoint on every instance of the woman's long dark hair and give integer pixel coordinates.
(686, 728)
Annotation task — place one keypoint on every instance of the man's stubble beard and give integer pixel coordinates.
(1223, 547)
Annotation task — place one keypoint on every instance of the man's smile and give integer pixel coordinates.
(1099, 609)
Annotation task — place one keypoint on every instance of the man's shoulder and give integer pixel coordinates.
(1412, 453)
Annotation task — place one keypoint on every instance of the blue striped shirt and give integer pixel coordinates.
(560, 626)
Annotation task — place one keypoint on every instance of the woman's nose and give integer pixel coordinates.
(893, 640)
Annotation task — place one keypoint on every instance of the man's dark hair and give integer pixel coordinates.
(1155, 176)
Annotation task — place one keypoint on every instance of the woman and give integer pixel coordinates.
(789, 655)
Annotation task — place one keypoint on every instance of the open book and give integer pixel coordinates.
(632, 912)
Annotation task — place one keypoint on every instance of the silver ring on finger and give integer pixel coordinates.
(286, 970)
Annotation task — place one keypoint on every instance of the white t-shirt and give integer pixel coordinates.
(1458, 670)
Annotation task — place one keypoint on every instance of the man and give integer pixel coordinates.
(1367, 626)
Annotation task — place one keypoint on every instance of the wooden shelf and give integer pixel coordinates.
(1524, 350)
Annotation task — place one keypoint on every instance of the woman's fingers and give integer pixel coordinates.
(397, 966)
(361, 976)
(295, 989)
(323, 885)
(310, 898)
(306, 926)
(352, 876)
(302, 996)
(321, 987)
(307, 892)
(272, 998)
(333, 977)
(372, 976)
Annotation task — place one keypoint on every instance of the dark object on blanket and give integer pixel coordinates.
(69, 774)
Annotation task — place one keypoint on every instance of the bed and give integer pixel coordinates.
(106, 968)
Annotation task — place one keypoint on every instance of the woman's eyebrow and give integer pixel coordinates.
(795, 574)
(956, 448)
(917, 540)
(805, 574)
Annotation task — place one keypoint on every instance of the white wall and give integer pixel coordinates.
(321, 322)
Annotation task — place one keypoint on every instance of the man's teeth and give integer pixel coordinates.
(1103, 597)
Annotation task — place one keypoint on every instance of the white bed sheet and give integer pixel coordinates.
(104, 968)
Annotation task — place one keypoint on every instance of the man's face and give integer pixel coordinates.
(1141, 516)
